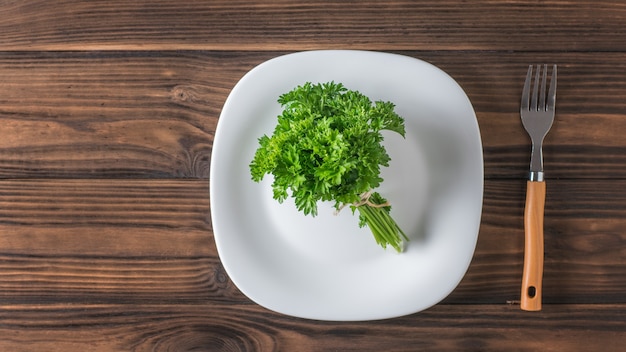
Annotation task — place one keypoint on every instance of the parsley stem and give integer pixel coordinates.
(384, 228)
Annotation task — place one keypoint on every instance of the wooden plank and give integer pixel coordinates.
(146, 115)
(284, 25)
(85, 279)
(157, 204)
(151, 241)
(128, 241)
(84, 115)
(215, 327)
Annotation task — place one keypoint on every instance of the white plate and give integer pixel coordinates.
(326, 267)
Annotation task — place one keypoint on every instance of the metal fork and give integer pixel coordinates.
(537, 112)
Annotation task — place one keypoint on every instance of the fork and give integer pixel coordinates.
(537, 113)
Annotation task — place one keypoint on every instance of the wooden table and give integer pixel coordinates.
(107, 117)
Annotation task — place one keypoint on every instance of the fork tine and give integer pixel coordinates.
(552, 91)
(533, 99)
(541, 105)
(526, 91)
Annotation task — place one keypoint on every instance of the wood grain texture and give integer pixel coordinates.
(107, 116)
(215, 327)
(154, 115)
(96, 115)
(131, 241)
(287, 25)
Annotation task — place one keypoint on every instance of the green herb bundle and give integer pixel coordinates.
(327, 147)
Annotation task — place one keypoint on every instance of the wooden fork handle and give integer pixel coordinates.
(533, 245)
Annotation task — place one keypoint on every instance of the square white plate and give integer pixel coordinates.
(326, 267)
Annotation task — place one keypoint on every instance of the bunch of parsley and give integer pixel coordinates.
(327, 147)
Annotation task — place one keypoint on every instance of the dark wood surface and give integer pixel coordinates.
(107, 117)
